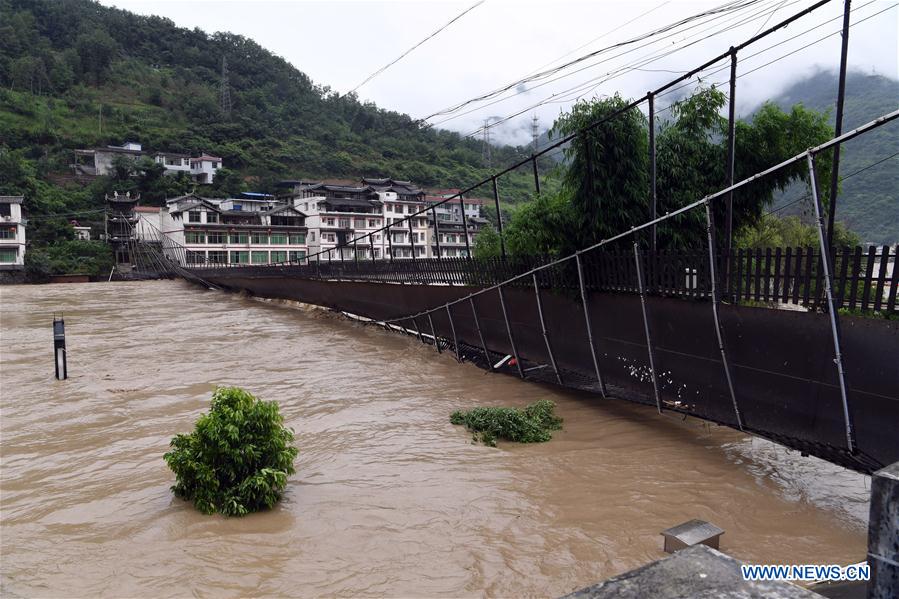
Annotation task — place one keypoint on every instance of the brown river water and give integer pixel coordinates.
(389, 498)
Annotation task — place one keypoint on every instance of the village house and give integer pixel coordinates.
(230, 231)
(339, 213)
(101, 161)
(12, 233)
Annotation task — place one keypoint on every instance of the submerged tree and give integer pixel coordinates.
(238, 458)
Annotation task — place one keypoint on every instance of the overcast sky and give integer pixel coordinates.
(339, 43)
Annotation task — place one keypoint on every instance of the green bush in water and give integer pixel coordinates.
(534, 424)
(238, 458)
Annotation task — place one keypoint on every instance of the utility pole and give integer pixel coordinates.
(486, 155)
(535, 131)
(224, 90)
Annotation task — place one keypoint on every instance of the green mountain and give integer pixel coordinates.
(77, 74)
(869, 201)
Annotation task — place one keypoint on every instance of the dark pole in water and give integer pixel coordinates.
(59, 347)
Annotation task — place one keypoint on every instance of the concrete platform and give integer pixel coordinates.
(697, 572)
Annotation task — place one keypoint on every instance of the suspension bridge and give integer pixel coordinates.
(795, 345)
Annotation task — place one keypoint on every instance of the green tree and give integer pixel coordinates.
(96, 50)
(486, 243)
(535, 226)
(228, 183)
(238, 458)
(606, 175)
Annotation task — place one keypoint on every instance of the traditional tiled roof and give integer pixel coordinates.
(11, 199)
(285, 208)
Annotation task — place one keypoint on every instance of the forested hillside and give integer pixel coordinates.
(77, 74)
(869, 201)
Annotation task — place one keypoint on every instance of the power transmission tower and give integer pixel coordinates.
(535, 131)
(486, 154)
(225, 92)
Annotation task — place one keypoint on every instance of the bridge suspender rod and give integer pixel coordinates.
(453, 329)
(549, 349)
(652, 166)
(417, 330)
(434, 334)
(436, 230)
(713, 276)
(580, 279)
(502, 303)
(411, 240)
(477, 325)
(389, 241)
(465, 224)
(731, 149)
(831, 310)
(371, 246)
(499, 219)
(838, 125)
(652, 364)
(536, 176)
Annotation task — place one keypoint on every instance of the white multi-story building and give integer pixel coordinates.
(231, 231)
(172, 162)
(100, 161)
(12, 233)
(337, 214)
(204, 168)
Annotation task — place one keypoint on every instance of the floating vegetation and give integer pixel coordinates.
(534, 424)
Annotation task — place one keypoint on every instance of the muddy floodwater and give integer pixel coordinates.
(389, 498)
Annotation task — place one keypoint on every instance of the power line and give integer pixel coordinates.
(612, 74)
(403, 55)
(728, 7)
(750, 56)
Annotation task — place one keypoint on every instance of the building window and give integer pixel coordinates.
(259, 257)
(372, 223)
(359, 223)
(193, 216)
(218, 257)
(260, 238)
(7, 232)
(212, 217)
(239, 238)
(329, 222)
(216, 237)
(8, 255)
(194, 237)
(343, 223)
(279, 239)
(240, 257)
(297, 238)
(329, 237)
(297, 256)
(5, 209)
(215, 165)
(195, 257)
(312, 236)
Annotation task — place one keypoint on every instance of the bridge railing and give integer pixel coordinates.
(864, 278)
